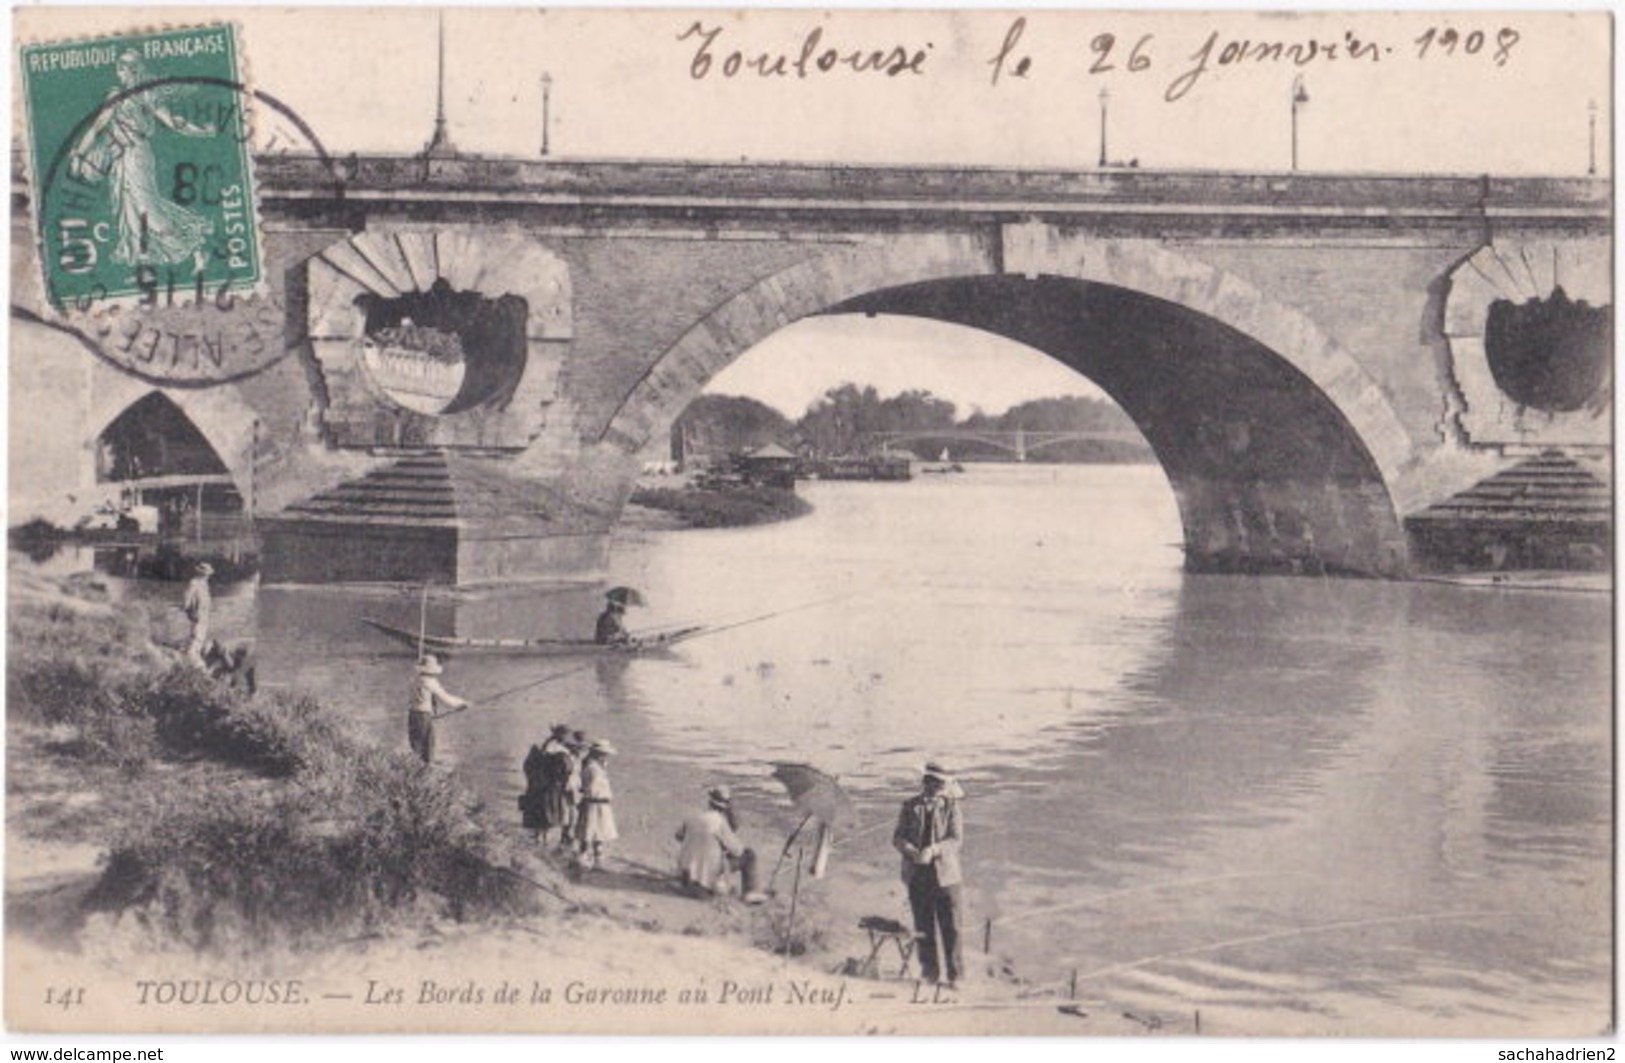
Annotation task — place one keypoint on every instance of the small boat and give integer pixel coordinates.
(451, 645)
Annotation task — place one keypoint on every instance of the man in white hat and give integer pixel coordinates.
(708, 842)
(197, 605)
(427, 693)
(928, 835)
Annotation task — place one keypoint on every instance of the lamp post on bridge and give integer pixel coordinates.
(1591, 109)
(547, 99)
(439, 145)
(1300, 96)
(1105, 95)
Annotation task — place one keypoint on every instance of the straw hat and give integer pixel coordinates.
(430, 665)
(602, 747)
(934, 770)
(204, 568)
(721, 798)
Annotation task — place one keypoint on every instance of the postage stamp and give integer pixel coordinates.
(139, 149)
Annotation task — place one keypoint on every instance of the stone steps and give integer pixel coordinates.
(1551, 487)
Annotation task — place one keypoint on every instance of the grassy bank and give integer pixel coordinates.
(723, 507)
(230, 822)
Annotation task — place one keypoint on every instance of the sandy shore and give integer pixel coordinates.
(617, 950)
(620, 949)
(626, 953)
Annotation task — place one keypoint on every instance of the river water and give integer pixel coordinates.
(1295, 805)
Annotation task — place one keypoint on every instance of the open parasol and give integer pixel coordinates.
(816, 793)
(624, 596)
(819, 796)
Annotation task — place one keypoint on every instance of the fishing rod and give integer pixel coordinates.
(551, 676)
(774, 615)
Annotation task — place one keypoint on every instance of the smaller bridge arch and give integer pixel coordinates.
(222, 419)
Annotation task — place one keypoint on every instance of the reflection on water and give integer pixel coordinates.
(1292, 804)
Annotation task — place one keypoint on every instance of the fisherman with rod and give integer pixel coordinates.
(427, 695)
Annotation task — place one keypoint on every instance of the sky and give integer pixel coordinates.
(624, 84)
(1500, 92)
(970, 368)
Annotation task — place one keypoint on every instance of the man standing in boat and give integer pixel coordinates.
(427, 694)
(928, 835)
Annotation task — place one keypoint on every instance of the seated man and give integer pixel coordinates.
(711, 850)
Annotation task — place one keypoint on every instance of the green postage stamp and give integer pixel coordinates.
(138, 146)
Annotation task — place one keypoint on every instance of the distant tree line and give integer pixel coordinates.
(844, 419)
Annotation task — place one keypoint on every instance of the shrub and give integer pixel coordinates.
(338, 837)
(195, 715)
(81, 694)
(56, 689)
(353, 851)
(281, 734)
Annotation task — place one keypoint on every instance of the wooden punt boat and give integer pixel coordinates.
(451, 645)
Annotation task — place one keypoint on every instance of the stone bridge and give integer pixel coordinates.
(1308, 355)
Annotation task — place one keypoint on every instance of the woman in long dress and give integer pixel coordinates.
(118, 145)
(596, 827)
(552, 786)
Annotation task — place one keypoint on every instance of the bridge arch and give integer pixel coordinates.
(1278, 444)
(219, 415)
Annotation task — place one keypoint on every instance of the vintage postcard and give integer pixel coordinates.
(671, 521)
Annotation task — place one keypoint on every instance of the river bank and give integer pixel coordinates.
(668, 507)
(158, 853)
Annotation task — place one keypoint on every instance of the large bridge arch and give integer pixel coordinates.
(1280, 447)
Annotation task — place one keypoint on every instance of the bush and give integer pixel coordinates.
(359, 848)
(336, 837)
(195, 716)
(83, 695)
(59, 690)
(281, 734)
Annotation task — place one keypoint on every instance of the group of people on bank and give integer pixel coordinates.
(567, 790)
(568, 799)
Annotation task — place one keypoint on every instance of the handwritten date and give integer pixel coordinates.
(1110, 54)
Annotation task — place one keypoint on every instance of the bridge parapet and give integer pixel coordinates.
(936, 189)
